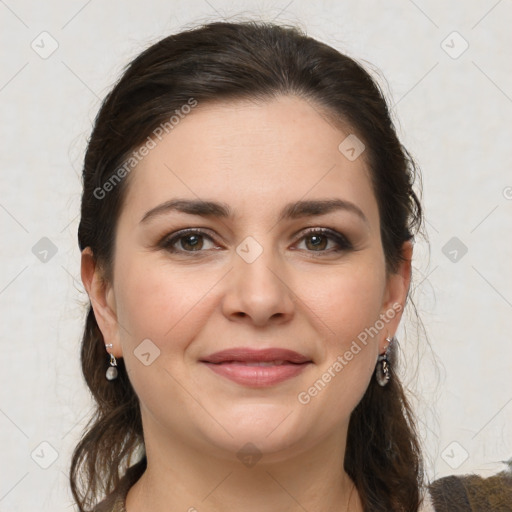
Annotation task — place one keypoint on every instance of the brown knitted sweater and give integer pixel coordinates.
(473, 493)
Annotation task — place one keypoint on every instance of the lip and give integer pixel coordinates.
(242, 354)
(241, 365)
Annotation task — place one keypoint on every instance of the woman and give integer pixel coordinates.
(246, 231)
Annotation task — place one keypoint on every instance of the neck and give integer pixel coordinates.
(196, 480)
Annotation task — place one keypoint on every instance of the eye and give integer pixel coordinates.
(195, 240)
(187, 240)
(317, 240)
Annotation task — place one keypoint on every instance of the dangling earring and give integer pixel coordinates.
(382, 369)
(112, 369)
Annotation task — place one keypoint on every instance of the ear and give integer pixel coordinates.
(395, 295)
(102, 298)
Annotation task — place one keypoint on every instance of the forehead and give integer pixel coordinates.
(255, 153)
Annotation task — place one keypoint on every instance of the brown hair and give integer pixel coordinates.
(223, 61)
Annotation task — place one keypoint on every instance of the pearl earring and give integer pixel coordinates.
(382, 368)
(112, 369)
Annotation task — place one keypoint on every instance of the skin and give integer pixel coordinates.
(256, 157)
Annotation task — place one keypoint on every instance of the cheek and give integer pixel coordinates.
(348, 308)
(347, 300)
(348, 304)
(158, 303)
(161, 302)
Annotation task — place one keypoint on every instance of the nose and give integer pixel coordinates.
(259, 292)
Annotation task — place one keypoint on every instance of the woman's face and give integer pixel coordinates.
(263, 277)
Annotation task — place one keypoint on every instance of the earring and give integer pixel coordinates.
(112, 369)
(382, 369)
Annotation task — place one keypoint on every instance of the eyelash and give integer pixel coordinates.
(342, 242)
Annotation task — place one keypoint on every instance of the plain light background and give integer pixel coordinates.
(453, 108)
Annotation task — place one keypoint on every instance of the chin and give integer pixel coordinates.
(264, 429)
(251, 447)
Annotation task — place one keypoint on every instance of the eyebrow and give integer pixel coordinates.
(295, 210)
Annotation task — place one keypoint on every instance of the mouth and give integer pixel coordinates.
(257, 368)
(250, 355)
(257, 363)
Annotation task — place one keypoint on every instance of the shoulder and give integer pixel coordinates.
(472, 493)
